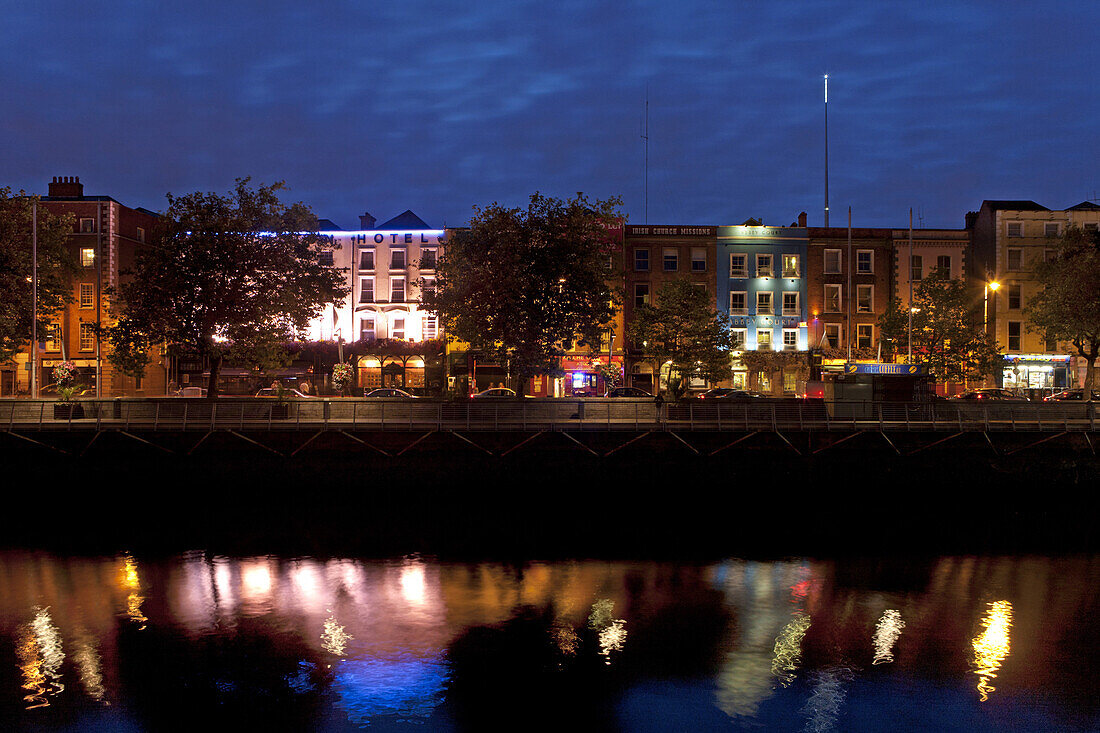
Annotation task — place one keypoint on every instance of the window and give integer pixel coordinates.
(87, 226)
(1048, 255)
(1050, 229)
(763, 265)
(427, 259)
(641, 260)
(366, 260)
(325, 257)
(671, 259)
(139, 235)
(943, 264)
(739, 266)
(764, 303)
(763, 339)
(1051, 345)
(1015, 332)
(428, 286)
(740, 335)
(790, 304)
(790, 381)
(87, 257)
(366, 290)
(790, 339)
(739, 303)
(1014, 297)
(1092, 227)
(865, 336)
(87, 336)
(865, 296)
(1015, 229)
(430, 327)
(865, 262)
(832, 298)
(53, 337)
(698, 259)
(397, 259)
(397, 290)
(832, 335)
(916, 268)
(1015, 259)
(87, 295)
(641, 294)
(397, 331)
(832, 262)
(366, 329)
(790, 266)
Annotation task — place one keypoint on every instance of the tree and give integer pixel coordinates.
(56, 267)
(683, 327)
(1068, 306)
(522, 285)
(948, 335)
(231, 277)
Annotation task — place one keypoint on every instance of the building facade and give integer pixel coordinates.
(1007, 239)
(653, 255)
(106, 238)
(849, 288)
(761, 288)
(933, 249)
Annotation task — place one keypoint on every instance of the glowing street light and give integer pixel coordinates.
(994, 286)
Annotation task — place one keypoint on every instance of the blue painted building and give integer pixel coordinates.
(762, 289)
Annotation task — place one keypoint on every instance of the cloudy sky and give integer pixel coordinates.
(371, 105)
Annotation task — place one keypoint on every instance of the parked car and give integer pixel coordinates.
(628, 392)
(288, 393)
(730, 393)
(495, 393)
(992, 394)
(1071, 394)
(390, 393)
(191, 392)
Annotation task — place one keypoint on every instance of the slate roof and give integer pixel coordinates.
(404, 221)
(1085, 206)
(1010, 205)
(328, 225)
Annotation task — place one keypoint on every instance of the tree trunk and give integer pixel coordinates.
(215, 371)
(1090, 372)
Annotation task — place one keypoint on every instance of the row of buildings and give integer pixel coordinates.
(790, 288)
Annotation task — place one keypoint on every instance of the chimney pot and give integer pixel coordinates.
(67, 187)
(366, 221)
(802, 219)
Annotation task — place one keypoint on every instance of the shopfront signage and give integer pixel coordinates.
(884, 368)
(654, 230)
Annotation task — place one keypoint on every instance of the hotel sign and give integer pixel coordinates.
(657, 230)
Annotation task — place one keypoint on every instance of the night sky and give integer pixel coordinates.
(438, 106)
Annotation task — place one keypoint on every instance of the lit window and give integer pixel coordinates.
(790, 381)
(428, 286)
(764, 303)
(739, 303)
(763, 265)
(832, 335)
(427, 259)
(87, 257)
(698, 260)
(671, 259)
(397, 259)
(53, 337)
(832, 262)
(430, 327)
(790, 339)
(763, 339)
(397, 333)
(865, 295)
(790, 266)
(739, 266)
(366, 260)
(366, 290)
(87, 336)
(366, 329)
(397, 290)
(865, 262)
(641, 294)
(790, 304)
(739, 335)
(641, 260)
(87, 295)
(865, 335)
(832, 298)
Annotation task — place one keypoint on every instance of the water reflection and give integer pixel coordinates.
(991, 646)
(773, 645)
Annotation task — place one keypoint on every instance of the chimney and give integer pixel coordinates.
(68, 186)
(802, 219)
(366, 221)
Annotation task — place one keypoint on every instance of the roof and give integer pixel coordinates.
(1085, 206)
(328, 225)
(404, 222)
(1013, 205)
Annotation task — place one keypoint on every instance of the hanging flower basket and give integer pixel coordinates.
(342, 374)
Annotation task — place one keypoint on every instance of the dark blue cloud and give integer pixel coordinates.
(437, 106)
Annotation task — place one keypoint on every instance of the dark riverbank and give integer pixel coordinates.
(656, 500)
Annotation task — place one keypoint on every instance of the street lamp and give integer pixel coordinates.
(994, 286)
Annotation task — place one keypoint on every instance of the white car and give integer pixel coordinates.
(287, 393)
(391, 393)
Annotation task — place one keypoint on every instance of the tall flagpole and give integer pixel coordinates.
(909, 336)
(34, 299)
(826, 151)
(849, 299)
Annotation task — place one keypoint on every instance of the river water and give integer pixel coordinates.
(302, 643)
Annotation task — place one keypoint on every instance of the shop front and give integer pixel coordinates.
(1025, 372)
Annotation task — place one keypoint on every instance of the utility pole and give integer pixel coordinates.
(851, 264)
(826, 151)
(909, 335)
(645, 137)
(34, 299)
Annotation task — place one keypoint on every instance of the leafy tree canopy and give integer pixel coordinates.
(1067, 308)
(682, 326)
(523, 285)
(56, 267)
(948, 335)
(232, 276)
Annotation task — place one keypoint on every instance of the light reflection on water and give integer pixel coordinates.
(372, 641)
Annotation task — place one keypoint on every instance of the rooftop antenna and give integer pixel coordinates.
(920, 217)
(645, 136)
(826, 151)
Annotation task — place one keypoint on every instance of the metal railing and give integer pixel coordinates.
(230, 413)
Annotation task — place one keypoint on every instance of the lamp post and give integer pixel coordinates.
(994, 286)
